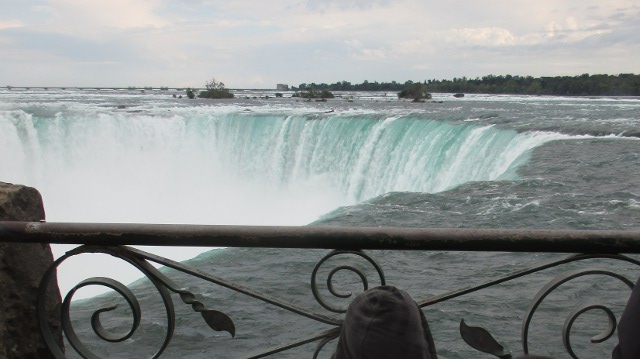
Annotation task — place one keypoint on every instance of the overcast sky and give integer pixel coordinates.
(258, 43)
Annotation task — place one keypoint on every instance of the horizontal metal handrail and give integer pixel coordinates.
(345, 238)
(346, 242)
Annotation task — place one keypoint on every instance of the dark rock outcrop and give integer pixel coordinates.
(22, 265)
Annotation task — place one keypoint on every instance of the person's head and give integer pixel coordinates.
(384, 322)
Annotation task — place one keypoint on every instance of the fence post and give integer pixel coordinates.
(22, 265)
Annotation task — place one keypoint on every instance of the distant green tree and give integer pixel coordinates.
(585, 84)
(416, 91)
(214, 89)
(311, 92)
(190, 94)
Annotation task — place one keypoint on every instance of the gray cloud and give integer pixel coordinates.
(72, 48)
(345, 4)
(256, 43)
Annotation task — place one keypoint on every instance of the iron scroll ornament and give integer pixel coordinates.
(141, 260)
(330, 278)
(566, 333)
(470, 336)
(216, 320)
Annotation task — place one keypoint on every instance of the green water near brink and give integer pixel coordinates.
(366, 155)
(476, 162)
(229, 154)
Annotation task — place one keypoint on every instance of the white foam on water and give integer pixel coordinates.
(225, 165)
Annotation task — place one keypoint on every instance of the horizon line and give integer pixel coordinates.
(129, 87)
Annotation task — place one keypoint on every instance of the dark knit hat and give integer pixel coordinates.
(384, 322)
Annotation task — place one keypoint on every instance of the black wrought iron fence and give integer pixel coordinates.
(597, 248)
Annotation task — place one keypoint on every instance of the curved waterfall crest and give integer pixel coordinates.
(343, 158)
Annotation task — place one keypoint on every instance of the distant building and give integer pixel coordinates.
(282, 87)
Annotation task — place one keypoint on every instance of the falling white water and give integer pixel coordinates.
(225, 166)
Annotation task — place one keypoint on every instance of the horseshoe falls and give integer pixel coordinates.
(133, 158)
(366, 159)
(229, 166)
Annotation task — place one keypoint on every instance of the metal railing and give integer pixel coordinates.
(356, 243)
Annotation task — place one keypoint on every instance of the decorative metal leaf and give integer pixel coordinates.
(480, 339)
(219, 321)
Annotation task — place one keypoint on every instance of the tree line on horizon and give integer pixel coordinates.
(582, 85)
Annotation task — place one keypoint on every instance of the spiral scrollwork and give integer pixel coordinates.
(606, 334)
(331, 278)
(96, 324)
(216, 320)
(571, 318)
